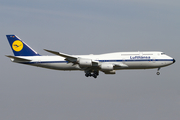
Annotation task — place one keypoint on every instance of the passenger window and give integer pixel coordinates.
(162, 53)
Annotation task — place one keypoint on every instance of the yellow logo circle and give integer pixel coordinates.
(17, 45)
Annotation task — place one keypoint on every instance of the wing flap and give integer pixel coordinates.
(70, 58)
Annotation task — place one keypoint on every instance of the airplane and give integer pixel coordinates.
(90, 64)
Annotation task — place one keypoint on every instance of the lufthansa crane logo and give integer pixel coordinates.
(17, 45)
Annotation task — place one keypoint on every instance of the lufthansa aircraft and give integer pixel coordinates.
(90, 64)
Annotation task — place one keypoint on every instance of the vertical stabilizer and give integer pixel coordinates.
(19, 47)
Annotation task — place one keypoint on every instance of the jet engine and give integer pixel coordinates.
(106, 67)
(110, 72)
(85, 62)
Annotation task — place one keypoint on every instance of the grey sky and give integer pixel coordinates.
(85, 27)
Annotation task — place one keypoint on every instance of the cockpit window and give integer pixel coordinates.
(162, 53)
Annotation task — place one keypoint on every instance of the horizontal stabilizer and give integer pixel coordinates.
(18, 58)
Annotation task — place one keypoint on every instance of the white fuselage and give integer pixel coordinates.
(125, 60)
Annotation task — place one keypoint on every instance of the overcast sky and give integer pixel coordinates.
(90, 27)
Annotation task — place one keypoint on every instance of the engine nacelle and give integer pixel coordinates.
(85, 62)
(106, 67)
(110, 72)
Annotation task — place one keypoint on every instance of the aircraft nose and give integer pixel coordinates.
(174, 60)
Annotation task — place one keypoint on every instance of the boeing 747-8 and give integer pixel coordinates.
(90, 64)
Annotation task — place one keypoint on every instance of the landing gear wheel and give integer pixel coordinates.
(158, 73)
(94, 75)
(91, 74)
(86, 75)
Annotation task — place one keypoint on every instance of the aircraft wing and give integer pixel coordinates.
(61, 54)
(18, 58)
(67, 57)
(70, 58)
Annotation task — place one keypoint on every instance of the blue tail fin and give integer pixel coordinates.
(19, 47)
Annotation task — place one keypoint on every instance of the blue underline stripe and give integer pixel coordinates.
(135, 60)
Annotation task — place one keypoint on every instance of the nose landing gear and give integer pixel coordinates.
(158, 73)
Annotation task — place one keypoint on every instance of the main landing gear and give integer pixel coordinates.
(158, 73)
(92, 74)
